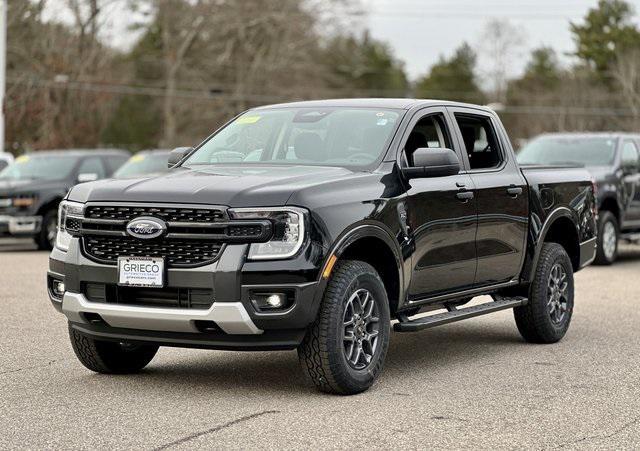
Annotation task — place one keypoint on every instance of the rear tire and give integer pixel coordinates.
(344, 349)
(110, 357)
(46, 238)
(608, 239)
(547, 315)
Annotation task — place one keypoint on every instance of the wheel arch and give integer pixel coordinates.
(375, 245)
(610, 204)
(561, 228)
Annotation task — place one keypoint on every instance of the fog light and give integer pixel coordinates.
(269, 301)
(58, 288)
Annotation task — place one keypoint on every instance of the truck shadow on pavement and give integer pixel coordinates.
(263, 373)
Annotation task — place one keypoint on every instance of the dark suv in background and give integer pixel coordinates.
(32, 187)
(613, 159)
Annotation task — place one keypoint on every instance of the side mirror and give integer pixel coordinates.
(177, 154)
(87, 177)
(433, 162)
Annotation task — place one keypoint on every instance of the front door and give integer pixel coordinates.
(630, 168)
(441, 216)
(501, 196)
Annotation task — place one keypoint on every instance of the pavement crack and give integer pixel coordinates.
(620, 430)
(33, 367)
(215, 429)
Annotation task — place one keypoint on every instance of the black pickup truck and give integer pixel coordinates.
(613, 159)
(314, 225)
(34, 184)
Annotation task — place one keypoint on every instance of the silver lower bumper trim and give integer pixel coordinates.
(231, 317)
(22, 224)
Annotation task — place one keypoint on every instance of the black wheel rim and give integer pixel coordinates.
(361, 329)
(558, 293)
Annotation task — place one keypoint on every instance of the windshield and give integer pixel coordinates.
(584, 151)
(39, 167)
(143, 164)
(309, 136)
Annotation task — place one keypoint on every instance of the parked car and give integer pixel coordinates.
(5, 160)
(312, 225)
(32, 187)
(613, 159)
(146, 162)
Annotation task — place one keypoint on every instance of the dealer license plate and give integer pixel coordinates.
(141, 272)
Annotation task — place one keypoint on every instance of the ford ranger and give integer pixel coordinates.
(315, 226)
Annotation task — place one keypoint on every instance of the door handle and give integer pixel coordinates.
(514, 191)
(465, 196)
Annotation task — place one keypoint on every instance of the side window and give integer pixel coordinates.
(630, 155)
(430, 131)
(480, 141)
(92, 165)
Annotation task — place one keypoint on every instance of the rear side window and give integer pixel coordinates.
(480, 141)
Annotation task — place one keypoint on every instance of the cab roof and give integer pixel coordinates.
(400, 104)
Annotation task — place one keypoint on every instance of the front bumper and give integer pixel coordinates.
(20, 225)
(238, 324)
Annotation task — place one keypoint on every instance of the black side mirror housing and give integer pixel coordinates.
(177, 154)
(433, 162)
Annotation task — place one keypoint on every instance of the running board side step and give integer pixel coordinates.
(426, 322)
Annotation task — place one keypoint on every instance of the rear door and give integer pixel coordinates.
(630, 164)
(501, 195)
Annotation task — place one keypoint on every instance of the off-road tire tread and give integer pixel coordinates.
(314, 353)
(532, 319)
(89, 353)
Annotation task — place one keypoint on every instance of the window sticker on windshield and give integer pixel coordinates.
(248, 119)
(137, 158)
(22, 159)
(382, 121)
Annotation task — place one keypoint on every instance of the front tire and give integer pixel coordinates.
(46, 238)
(344, 350)
(110, 357)
(608, 238)
(547, 315)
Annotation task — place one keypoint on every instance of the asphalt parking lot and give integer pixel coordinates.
(473, 384)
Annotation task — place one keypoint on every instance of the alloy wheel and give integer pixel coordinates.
(557, 293)
(361, 329)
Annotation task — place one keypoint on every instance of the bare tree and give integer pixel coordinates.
(500, 44)
(626, 72)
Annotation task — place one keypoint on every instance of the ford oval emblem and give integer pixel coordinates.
(146, 228)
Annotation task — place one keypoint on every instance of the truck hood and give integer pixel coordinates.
(11, 187)
(255, 186)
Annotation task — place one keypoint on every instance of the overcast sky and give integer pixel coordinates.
(422, 30)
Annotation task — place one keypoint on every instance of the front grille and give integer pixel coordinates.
(176, 252)
(194, 236)
(170, 297)
(169, 214)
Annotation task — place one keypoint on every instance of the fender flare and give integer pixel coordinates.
(558, 213)
(353, 234)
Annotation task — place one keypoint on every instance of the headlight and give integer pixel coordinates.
(288, 231)
(66, 209)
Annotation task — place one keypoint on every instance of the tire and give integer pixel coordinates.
(325, 353)
(110, 357)
(45, 239)
(607, 252)
(546, 318)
